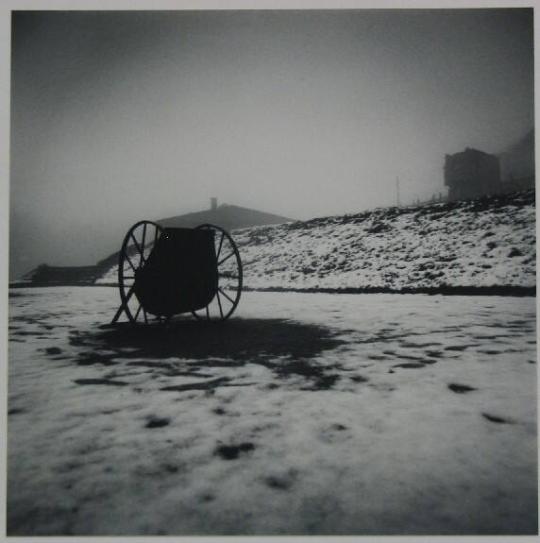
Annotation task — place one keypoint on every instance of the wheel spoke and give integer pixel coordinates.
(226, 258)
(220, 245)
(123, 306)
(130, 263)
(207, 312)
(229, 275)
(138, 311)
(143, 237)
(219, 303)
(138, 248)
(226, 295)
(129, 294)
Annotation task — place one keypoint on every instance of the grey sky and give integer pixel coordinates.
(120, 116)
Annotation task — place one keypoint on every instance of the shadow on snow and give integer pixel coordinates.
(287, 348)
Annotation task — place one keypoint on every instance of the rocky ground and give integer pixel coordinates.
(481, 243)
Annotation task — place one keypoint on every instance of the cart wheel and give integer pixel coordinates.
(229, 268)
(138, 244)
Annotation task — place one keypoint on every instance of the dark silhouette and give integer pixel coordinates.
(471, 174)
(288, 349)
(163, 272)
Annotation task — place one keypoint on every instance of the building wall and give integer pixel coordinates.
(471, 174)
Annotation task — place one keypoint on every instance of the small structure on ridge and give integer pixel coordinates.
(471, 174)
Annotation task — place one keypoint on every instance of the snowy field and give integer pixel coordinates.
(304, 414)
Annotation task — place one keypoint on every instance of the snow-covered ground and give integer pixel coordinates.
(473, 243)
(304, 414)
(479, 243)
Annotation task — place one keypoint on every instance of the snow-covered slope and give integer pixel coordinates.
(476, 243)
(480, 243)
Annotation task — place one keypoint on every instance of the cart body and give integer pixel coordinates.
(180, 274)
(164, 272)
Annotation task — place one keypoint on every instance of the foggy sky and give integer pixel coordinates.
(122, 116)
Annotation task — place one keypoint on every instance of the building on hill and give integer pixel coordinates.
(471, 174)
(229, 217)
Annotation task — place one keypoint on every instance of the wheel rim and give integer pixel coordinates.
(136, 248)
(229, 268)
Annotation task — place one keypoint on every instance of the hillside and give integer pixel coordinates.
(227, 216)
(482, 243)
(477, 243)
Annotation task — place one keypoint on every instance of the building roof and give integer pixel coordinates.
(469, 151)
